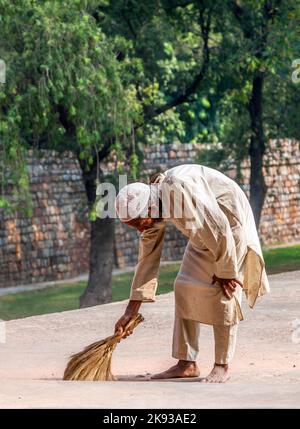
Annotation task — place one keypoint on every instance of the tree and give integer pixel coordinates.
(62, 91)
(254, 98)
(162, 80)
(265, 44)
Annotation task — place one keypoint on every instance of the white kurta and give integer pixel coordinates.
(223, 241)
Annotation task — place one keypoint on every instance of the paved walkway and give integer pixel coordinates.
(266, 369)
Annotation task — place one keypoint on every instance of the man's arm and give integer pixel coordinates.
(144, 284)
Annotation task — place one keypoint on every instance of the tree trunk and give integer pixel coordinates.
(98, 290)
(258, 188)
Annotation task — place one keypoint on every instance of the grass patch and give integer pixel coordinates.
(282, 259)
(66, 297)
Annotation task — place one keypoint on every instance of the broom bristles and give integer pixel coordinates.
(93, 363)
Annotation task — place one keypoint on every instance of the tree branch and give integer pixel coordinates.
(269, 10)
(191, 89)
(129, 24)
(240, 15)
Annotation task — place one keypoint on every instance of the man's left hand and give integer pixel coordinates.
(228, 285)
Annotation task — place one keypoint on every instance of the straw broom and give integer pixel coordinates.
(94, 362)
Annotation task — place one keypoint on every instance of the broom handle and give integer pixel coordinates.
(133, 322)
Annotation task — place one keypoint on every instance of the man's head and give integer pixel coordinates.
(137, 205)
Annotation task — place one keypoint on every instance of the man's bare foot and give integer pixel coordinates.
(219, 374)
(183, 369)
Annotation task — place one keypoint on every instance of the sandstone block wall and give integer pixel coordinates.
(51, 244)
(54, 242)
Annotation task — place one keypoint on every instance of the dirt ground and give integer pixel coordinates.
(265, 371)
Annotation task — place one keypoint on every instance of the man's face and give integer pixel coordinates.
(141, 224)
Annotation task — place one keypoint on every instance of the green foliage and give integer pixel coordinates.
(63, 88)
(161, 46)
(260, 39)
(82, 74)
(256, 45)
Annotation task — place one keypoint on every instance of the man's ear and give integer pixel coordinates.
(154, 177)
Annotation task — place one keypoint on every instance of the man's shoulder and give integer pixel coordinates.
(185, 170)
(194, 172)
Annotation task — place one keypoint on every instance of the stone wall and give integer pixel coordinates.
(280, 220)
(54, 242)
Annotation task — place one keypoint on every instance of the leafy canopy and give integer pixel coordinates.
(63, 88)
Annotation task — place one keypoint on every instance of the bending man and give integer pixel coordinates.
(223, 257)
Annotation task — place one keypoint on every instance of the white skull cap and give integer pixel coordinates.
(133, 201)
